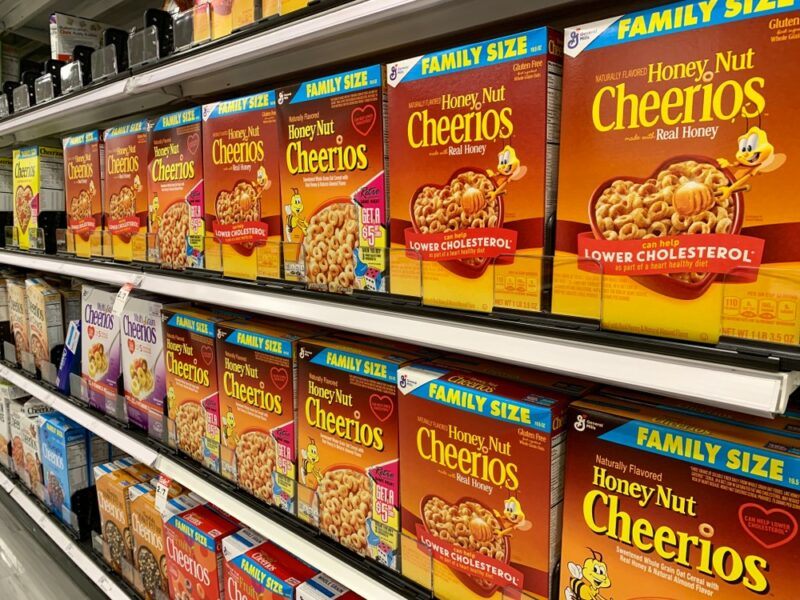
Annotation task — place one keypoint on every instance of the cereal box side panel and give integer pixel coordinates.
(5, 433)
(26, 193)
(18, 314)
(16, 416)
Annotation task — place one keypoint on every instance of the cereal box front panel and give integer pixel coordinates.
(83, 185)
(468, 148)
(26, 193)
(677, 511)
(243, 206)
(677, 150)
(333, 182)
(175, 186)
(64, 463)
(112, 483)
(100, 360)
(126, 148)
(45, 319)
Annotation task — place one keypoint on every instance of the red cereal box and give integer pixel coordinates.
(84, 164)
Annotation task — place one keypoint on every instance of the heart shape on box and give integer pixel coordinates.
(382, 406)
(207, 354)
(90, 331)
(23, 198)
(665, 284)
(131, 345)
(772, 521)
(363, 118)
(279, 377)
(193, 142)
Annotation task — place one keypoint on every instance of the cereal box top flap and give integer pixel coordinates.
(261, 336)
(141, 303)
(132, 128)
(38, 151)
(139, 491)
(178, 119)
(235, 106)
(81, 139)
(204, 525)
(665, 20)
(322, 587)
(357, 80)
(142, 472)
(191, 318)
(517, 46)
(34, 407)
(61, 427)
(492, 397)
(115, 473)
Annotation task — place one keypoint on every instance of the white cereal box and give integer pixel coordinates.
(100, 334)
(45, 319)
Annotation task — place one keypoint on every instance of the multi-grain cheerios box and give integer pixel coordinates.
(257, 569)
(242, 190)
(39, 206)
(64, 463)
(333, 181)
(193, 535)
(18, 315)
(45, 321)
(112, 481)
(193, 417)
(84, 166)
(32, 409)
(347, 439)
(481, 468)
(677, 151)
(127, 214)
(100, 347)
(663, 499)
(473, 134)
(175, 188)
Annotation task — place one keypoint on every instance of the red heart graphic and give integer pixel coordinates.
(768, 530)
(193, 143)
(207, 353)
(364, 118)
(279, 377)
(90, 331)
(381, 406)
(131, 346)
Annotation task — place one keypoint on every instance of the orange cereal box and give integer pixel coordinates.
(175, 186)
(677, 150)
(243, 196)
(682, 504)
(333, 181)
(112, 481)
(84, 166)
(481, 461)
(348, 441)
(473, 134)
(126, 148)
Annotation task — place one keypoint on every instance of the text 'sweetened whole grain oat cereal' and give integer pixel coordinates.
(100, 346)
(243, 206)
(84, 164)
(677, 126)
(175, 186)
(333, 184)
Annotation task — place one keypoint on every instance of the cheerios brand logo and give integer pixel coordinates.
(181, 553)
(139, 327)
(163, 170)
(80, 167)
(22, 170)
(242, 382)
(336, 157)
(240, 589)
(182, 363)
(239, 146)
(99, 315)
(349, 428)
(146, 527)
(53, 457)
(123, 161)
(111, 504)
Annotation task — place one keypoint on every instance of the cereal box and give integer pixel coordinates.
(480, 483)
(257, 569)
(193, 535)
(192, 392)
(18, 314)
(473, 133)
(333, 181)
(348, 440)
(322, 587)
(243, 196)
(142, 357)
(29, 434)
(64, 463)
(258, 377)
(127, 215)
(677, 152)
(100, 364)
(678, 504)
(38, 196)
(112, 481)
(45, 321)
(84, 166)
(175, 186)
(5, 433)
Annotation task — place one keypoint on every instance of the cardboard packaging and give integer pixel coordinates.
(64, 463)
(100, 348)
(84, 171)
(39, 206)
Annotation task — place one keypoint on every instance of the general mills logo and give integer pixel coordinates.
(574, 39)
(403, 381)
(580, 423)
(281, 97)
(304, 353)
(393, 73)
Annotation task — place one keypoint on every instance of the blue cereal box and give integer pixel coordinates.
(64, 463)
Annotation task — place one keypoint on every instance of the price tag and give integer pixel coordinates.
(162, 492)
(105, 585)
(122, 298)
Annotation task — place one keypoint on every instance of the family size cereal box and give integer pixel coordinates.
(347, 433)
(257, 569)
(175, 186)
(64, 463)
(112, 481)
(677, 151)
(322, 587)
(243, 196)
(192, 392)
(193, 535)
(473, 135)
(84, 165)
(100, 361)
(258, 377)
(45, 320)
(127, 215)
(18, 315)
(480, 484)
(38, 196)
(29, 432)
(679, 504)
(333, 181)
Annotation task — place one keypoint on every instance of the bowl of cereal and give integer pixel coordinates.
(343, 498)
(242, 204)
(330, 244)
(142, 378)
(98, 361)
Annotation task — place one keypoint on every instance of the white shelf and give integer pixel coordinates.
(62, 540)
(735, 388)
(296, 544)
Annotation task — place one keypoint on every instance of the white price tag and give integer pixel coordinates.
(105, 584)
(122, 298)
(73, 336)
(162, 492)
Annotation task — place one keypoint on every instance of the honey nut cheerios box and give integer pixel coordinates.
(347, 439)
(126, 193)
(84, 187)
(112, 481)
(193, 418)
(18, 315)
(677, 154)
(45, 321)
(39, 206)
(193, 535)
(257, 569)
(100, 347)
(473, 143)
(334, 181)
(682, 504)
(242, 189)
(175, 188)
(481, 467)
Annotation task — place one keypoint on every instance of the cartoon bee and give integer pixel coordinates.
(153, 213)
(171, 400)
(229, 429)
(509, 167)
(586, 582)
(308, 464)
(294, 212)
(755, 155)
(512, 517)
